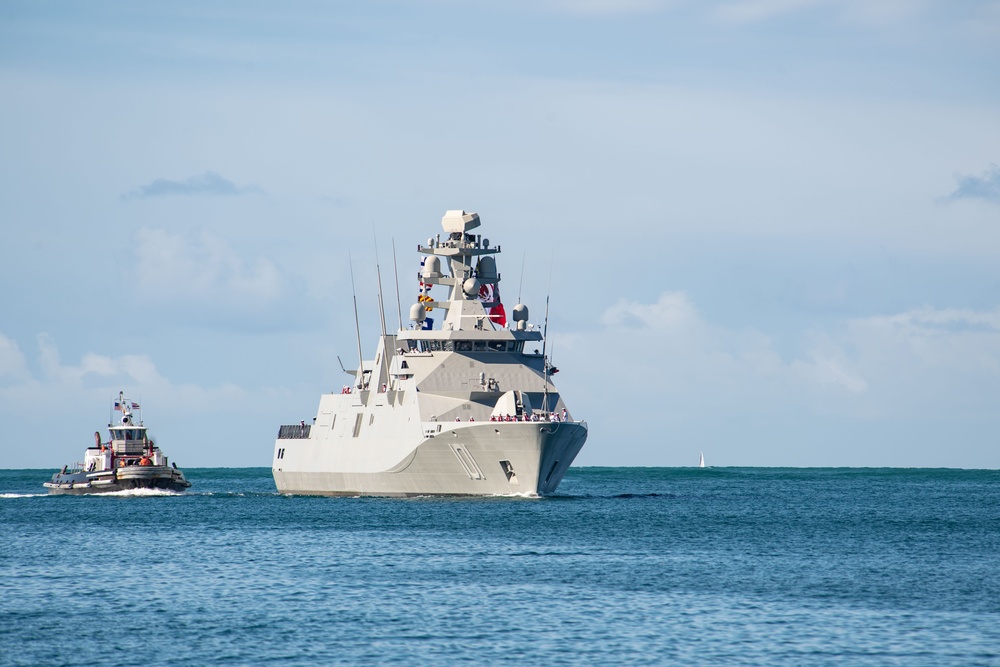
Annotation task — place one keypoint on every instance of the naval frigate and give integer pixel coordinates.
(464, 407)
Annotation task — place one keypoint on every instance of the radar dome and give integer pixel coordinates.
(520, 313)
(418, 312)
(432, 267)
(471, 287)
(487, 269)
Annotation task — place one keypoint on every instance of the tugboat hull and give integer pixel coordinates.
(122, 479)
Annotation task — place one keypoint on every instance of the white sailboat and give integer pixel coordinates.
(701, 459)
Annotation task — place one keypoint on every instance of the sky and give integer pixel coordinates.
(769, 230)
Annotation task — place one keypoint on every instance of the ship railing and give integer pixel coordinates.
(294, 431)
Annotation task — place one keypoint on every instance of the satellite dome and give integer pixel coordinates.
(487, 269)
(432, 267)
(418, 312)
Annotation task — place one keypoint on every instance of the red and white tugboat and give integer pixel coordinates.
(128, 460)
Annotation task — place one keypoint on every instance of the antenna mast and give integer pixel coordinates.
(545, 341)
(545, 361)
(357, 326)
(395, 270)
(521, 282)
(378, 274)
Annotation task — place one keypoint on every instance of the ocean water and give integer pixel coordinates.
(626, 566)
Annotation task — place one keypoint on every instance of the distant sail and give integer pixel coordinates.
(701, 460)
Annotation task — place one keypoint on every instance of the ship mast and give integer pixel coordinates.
(357, 327)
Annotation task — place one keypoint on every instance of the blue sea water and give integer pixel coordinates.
(626, 566)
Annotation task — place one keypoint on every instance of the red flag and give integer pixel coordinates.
(498, 314)
(489, 293)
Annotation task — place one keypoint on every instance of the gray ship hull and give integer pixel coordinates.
(485, 459)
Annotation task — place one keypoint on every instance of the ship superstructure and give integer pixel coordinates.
(466, 407)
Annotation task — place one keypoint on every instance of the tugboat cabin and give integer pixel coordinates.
(129, 440)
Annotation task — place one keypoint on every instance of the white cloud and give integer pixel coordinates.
(129, 369)
(928, 360)
(205, 268)
(12, 362)
(822, 369)
(673, 312)
(882, 388)
(913, 363)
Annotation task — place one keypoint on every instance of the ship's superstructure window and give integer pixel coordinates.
(465, 346)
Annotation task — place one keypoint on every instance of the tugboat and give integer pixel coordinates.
(128, 460)
(466, 407)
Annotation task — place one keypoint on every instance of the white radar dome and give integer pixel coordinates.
(471, 287)
(432, 267)
(487, 269)
(418, 312)
(520, 313)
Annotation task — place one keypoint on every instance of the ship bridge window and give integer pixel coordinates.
(435, 345)
(498, 345)
(463, 346)
(480, 345)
